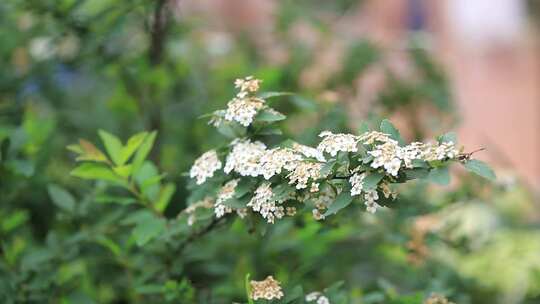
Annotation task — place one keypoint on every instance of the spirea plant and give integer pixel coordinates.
(276, 181)
(262, 183)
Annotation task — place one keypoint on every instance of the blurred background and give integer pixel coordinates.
(71, 67)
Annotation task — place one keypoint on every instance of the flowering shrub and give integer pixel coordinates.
(263, 180)
(290, 176)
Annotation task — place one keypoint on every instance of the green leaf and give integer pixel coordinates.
(480, 168)
(231, 129)
(372, 180)
(266, 95)
(113, 145)
(110, 244)
(270, 130)
(296, 293)
(363, 128)
(143, 151)
(342, 201)
(439, 176)
(88, 152)
(95, 171)
(416, 173)
(131, 146)
(448, 137)
(124, 171)
(327, 168)
(388, 128)
(268, 115)
(165, 196)
(61, 198)
(148, 227)
(112, 199)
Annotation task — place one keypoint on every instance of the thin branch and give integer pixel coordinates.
(213, 224)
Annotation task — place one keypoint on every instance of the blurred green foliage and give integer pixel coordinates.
(71, 67)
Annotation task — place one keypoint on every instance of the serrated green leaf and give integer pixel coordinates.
(133, 143)
(61, 198)
(244, 186)
(143, 151)
(95, 171)
(231, 129)
(266, 95)
(372, 179)
(148, 227)
(327, 168)
(296, 293)
(123, 171)
(480, 168)
(112, 199)
(268, 115)
(416, 173)
(113, 145)
(439, 175)
(388, 128)
(270, 130)
(448, 137)
(89, 152)
(342, 201)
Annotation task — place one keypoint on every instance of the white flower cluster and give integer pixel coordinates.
(334, 143)
(433, 152)
(317, 297)
(244, 158)
(274, 160)
(267, 289)
(389, 155)
(253, 159)
(309, 152)
(370, 196)
(244, 106)
(302, 172)
(205, 166)
(243, 110)
(225, 193)
(357, 183)
(264, 203)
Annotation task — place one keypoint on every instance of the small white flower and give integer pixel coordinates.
(225, 193)
(318, 297)
(357, 183)
(370, 201)
(317, 215)
(334, 143)
(309, 152)
(274, 160)
(264, 203)
(323, 300)
(392, 167)
(267, 289)
(244, 158)
(243, 110)
(304, 171)
(205, 166)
